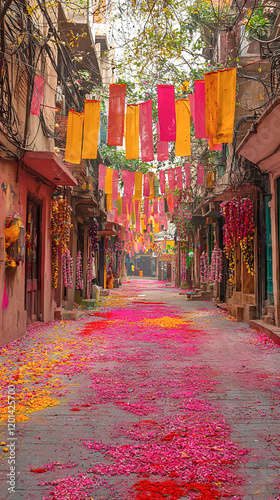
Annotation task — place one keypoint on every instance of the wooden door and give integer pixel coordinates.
(32, 276)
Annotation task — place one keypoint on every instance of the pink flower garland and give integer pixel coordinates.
(79, 272)
(89, 276)
(183, 267)
(216, 265)
(68, 270)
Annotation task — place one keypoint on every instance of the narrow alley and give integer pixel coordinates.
(148, 397)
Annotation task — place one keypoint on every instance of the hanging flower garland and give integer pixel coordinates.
(216, 265)
(64, 219)
(68, 270)
(93, 231)
(79, 272)
(55, 241)
(182, 219)
(239, 228)
(90, 275)
(60, 233)
(204, 267)
(183, 267)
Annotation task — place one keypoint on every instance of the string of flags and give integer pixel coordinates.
(211, 108)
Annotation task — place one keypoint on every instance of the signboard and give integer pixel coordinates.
(170, 247)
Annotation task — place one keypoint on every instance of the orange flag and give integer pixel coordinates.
(109, 181)
(73, 149)
(183, 128)
(211, 103)
(91, 129)
(227, 101)
(132, 132)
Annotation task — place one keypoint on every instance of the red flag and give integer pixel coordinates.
(116, 115)
(146, 189)
(38, 95)
(179, 177)
(102, 175)
(171, 178)
(162, 147)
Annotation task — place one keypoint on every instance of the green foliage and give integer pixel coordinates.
(258, 25)
(111, 156)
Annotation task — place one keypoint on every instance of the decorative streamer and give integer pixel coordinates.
(183, 128)
(109, 201)
(179, 177)
(102, 175)
(188, 175)
(166, 112)
(91, 129)
(38, 95)
(132, 132)
(200, 130)
(162, 182)
(73, 149)
(138, 185)
(155, 206)
(161, 207)
(5, 298)
(109, 181)
(128, 182)
(211, 103)
(146, 206)
(116, 115)
(170, 202)
(171, 178)
(146, 131)
(227, 102)
(192, 106)
(162, 147)
(115, 191)
(200, 175)
(146, 189)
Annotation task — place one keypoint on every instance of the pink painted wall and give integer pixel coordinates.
(13, 320)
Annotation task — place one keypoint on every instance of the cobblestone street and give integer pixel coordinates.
(147, 397)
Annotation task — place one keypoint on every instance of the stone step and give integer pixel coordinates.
(269, 320)
(72, 315)
(273, 332)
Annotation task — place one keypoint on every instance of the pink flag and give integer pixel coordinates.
(200, 175)
(188, 175)
(146, 206)
(161, 207)
(179, 177)
(200, 129)
(116, 115)
(137, 206)
(115, 193)
(102, 175)
(162, 147)
(166, 112)
(38, 95)
(128, 182)
(162, 182)
(146, 131)
(171, 178)
(192, 106)
(5, 299)
(146, 188)
(155, 206)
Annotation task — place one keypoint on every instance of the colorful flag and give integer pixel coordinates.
(183, 128)
(91, 129)
(162, 147)
(132, 132)
(166, 112)
(73, 149)
(146, 131)
(116, 115)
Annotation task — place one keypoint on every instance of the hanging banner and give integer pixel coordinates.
(170, 203)
(211, 103)
(166, 112)
(91, 129)
(171, 179)
(138, 185)
(146, 131)
(128, 182)
(200, 130)
(109, 204)
(170, 247)
(161, 207)
(200, 175)
(192, 106)
(152, 185)
(132, 132)
(146, 188)
(115, 190)
(155, 206)
(101, 177)
(188, 175)
(162, 148)
(146, 206)
(162, 182)
(109, 181)
(179, 177)
(116, 115)
(183, 128)
(38, 95)
(227, 103)
(73, 149)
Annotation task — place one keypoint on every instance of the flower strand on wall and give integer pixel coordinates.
(79, 272)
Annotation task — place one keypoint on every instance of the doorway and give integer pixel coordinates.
(32, 267)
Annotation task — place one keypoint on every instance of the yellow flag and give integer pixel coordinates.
(138, 185)
(211, 104)
(73, 149)
(91, 129)
(132, 132)
(227, 101)
(109, 181)
(183, 128)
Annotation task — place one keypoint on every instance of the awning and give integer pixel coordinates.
(50, 166)
(108, 229)
(261, 145)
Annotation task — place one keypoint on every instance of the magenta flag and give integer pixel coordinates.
(5, 299)
(171, 178)
(128, 182)
(192, 106)
(162, 182)
(188, 175)
(162, 148)
(146, 188)
(115, 191)
(200, 130)
(200, 175)
(166, 112)
(102, 175)
(146, 131)
(38, 95)
(179, 177)
(161, 207)
(146, 206)
(155, 206)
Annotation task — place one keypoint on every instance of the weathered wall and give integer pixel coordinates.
(13, 198)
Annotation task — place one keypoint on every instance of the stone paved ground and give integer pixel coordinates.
(152, 397)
